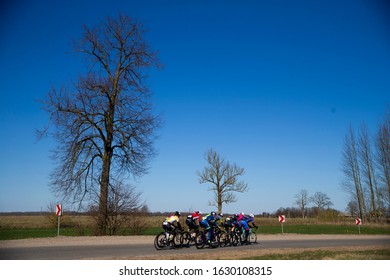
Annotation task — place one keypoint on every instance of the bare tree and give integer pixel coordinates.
(222, 178)
(382, 144)
(104, 123)
(368, 171)
(321, 200)
(351, 169)
(302, 199)
(123, 201)
(352, 208)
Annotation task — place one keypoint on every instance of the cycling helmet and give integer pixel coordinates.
(177, 213)
(251, 215)
(213, 213)
(220, 214)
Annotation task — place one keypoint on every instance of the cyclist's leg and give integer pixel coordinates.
(246, 228)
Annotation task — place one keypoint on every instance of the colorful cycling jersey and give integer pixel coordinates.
(196, 216)
(210, 219)
(249, 219)
(230, 220)
(172, 219)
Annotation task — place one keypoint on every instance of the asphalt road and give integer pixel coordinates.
(123, 251)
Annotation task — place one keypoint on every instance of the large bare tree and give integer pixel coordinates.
(104, 122)
(369, 178)
(223, 179)
(352, 175)
(382, 144)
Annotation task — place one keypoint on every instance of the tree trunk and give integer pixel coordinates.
(106, 168)
(103, 201)
(219, 201)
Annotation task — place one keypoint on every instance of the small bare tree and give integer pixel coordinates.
(321, 200)
(352, 208)
(123, 201)
(104, 124)
(222, 178)
(302, 199)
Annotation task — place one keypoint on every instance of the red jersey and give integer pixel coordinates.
(196, 216)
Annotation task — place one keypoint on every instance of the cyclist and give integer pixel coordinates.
(243, 223)
(193, 220)
(219, 217)
(229, 221)
(240, 216)
(208, 222)
(251, 219)
(170, 224)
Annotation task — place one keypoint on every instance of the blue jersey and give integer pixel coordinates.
(210, 219)
(249, 219)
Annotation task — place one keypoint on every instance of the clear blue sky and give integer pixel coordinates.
(270, 85)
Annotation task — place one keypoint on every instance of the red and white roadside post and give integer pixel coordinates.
(282, 219)
(358, 222)
(58, 214)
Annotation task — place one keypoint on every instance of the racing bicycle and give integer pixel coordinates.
(201, 239)
(165, 240)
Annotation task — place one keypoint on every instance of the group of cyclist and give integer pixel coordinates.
(208, 222)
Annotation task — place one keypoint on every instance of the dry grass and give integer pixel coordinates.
(48, 221)
(43, 221)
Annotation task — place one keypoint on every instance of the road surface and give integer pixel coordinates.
(74, 248)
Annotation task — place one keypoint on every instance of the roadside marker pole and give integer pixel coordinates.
(282, 219)
(58, 227)
(58, 214)
(358, 222)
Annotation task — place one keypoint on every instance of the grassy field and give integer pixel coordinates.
(19, 227)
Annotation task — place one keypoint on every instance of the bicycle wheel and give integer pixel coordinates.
(186, 238)
(224, 239)
(235, 239)
(160, 241)
(252, 238)
(214, 241)
(178, 239)
(199, 240)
